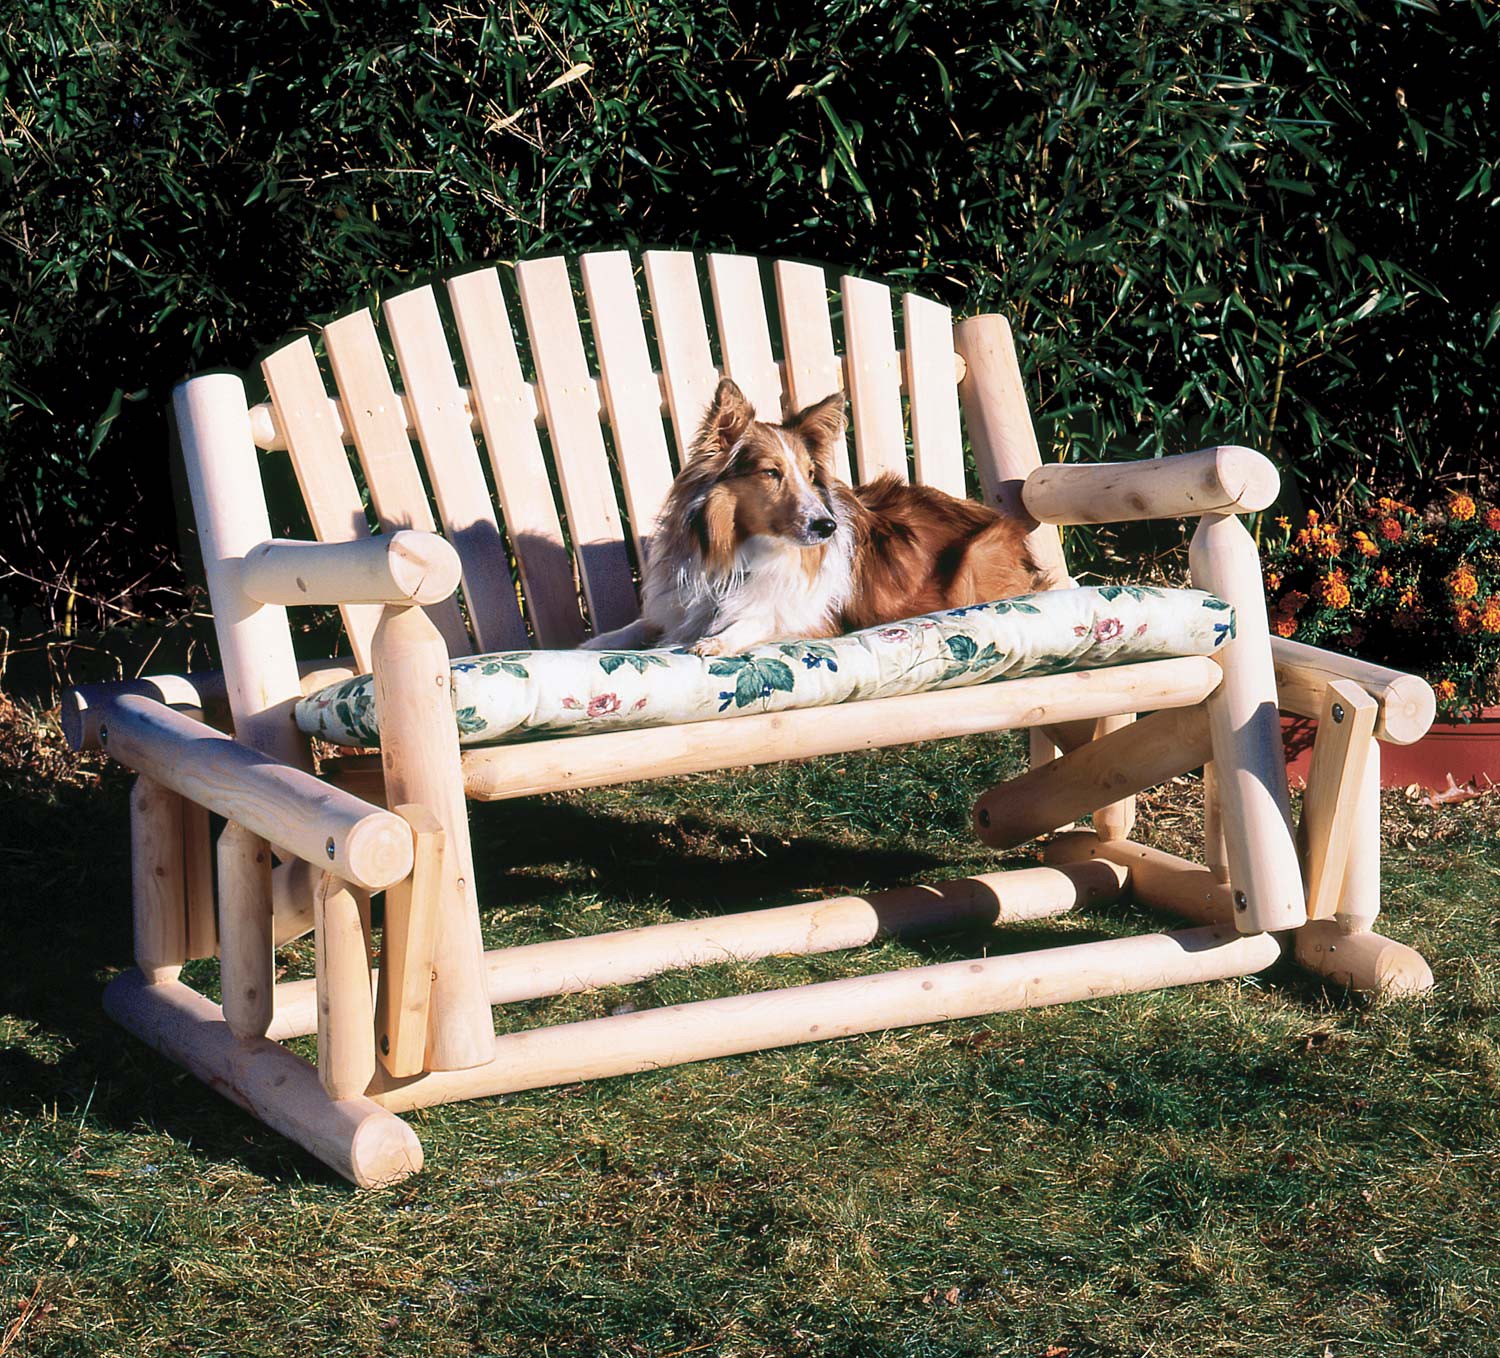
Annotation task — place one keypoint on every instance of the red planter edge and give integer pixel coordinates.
(1469, 751)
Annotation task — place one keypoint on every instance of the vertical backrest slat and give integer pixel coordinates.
(744, 337)
(565, 391)
(463, 497)
(687, 364)
(813, 370)
(932, 393)
(377, 421)
(499, 392)
(874, 379)
(1000, 430)
(321, 463)
(632, 395)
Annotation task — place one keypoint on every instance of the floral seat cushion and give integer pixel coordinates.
(521, 695)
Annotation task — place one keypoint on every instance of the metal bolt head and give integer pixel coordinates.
(1240, 901)
(1338, 712)
(984, 816)
(385, 1044)
(332, 851)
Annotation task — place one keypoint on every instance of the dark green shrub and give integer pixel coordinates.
(1271, 224)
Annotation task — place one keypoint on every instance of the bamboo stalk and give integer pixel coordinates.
(653, 1038)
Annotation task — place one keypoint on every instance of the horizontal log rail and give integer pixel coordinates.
(570, 965)
(1303, 673)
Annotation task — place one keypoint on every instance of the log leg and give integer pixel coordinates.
(1117, 819)
(1215, 855)
(1043, 750)
(1245, 728)
(419, 752)
(157, 890)
(346, 1006)
(1346, 949)
(355, 1137)
(198, 866)
(247, 956)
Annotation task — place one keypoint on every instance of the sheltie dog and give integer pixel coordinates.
(759, 541)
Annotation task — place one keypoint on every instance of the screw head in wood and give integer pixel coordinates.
(1240, 901)
(1338, 712)
(332, 852)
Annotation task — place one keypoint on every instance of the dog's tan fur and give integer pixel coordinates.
(759, 540)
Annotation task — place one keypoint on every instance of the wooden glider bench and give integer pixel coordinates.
(301, 851)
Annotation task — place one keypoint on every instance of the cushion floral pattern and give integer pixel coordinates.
(520, 695)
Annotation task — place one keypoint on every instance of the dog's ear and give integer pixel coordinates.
(729, 415)
(715, 525)
(821, 424)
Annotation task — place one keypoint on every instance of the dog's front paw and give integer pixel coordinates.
(707, 646)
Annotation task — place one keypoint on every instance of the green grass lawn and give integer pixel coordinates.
(1255, 1167)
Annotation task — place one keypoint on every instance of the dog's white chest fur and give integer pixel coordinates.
(768, 594)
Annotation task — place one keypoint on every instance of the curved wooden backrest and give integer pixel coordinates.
(536, 415)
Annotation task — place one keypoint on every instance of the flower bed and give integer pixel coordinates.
(1418, 590)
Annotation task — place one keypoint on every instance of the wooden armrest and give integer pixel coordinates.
(202, 695)
(294, 811)
(1303, 673)
(1226, 480)
(405, 567)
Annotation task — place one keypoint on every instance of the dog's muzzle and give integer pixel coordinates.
(822, 529)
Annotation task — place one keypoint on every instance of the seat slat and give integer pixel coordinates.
(377, 421)
(321, 463)
(813, 370)
(463, 497)
(562, 376)
(503, 400)
(682, 340)
(744, 337)
(874, 379)
(632, 393)
(933, 393)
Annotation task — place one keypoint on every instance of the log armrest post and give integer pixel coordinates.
(1245, 734)
(420, 758)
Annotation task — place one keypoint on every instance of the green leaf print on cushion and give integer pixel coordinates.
(637, 660)
(753, 679)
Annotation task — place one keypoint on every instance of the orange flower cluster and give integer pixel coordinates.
(1492, 519)
(1333, 589)
(1489, 615)
(1446, 690)
(1461, 507)
(1462, 582)
(1364, 545)
(1391, 530)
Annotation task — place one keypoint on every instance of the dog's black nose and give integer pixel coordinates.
(822, 528)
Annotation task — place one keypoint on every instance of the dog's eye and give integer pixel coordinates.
(773, 473)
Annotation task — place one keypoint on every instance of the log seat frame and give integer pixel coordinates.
(305, 850)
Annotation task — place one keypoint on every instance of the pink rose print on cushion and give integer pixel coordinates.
(638, 704)
(572, 704)
(1141, 630)
(1108, 629)
(893, 634)
(1080, 631)
(603, 705)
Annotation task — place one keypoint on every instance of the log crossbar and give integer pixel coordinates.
(482, 471)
